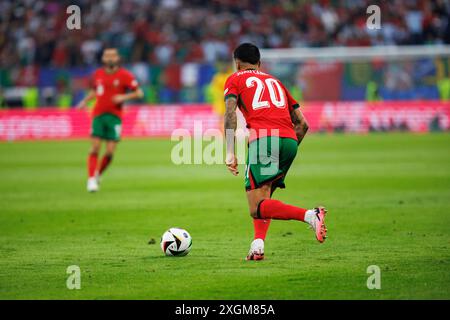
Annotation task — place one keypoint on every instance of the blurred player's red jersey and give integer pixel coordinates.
(264, 102)
(107, 85)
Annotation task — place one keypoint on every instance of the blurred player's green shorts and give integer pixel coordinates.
(269, 160)
(107, 126)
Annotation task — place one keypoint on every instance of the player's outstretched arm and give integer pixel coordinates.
(230, 125)
(300, 124)
(135, 94)
(83, 103)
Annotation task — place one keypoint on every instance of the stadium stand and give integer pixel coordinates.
(173, 45)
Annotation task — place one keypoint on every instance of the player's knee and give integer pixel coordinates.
(254, 211)
(95, 149)
(305, 127)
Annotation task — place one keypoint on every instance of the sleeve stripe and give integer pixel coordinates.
(230, 95)
(296, 106)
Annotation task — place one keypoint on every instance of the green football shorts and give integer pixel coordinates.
(107, 126)
(269, 160)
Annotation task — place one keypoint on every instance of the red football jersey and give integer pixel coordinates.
(264, 102)
(107, 85)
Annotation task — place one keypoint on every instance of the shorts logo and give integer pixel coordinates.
(118, 130)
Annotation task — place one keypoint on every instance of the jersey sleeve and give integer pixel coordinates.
(292, 103)
(130, 81)
(231, 89)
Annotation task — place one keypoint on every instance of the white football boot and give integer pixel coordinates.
(92, 184)
(316, 219)
(256, 250)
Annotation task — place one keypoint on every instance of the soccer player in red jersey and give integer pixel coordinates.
(277, 127)
(112, 85)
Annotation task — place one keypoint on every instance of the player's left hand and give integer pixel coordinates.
(118, 98)
(231, 163)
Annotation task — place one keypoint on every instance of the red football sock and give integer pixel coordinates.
(274, 209)
(92, 164)
(261, 226)
(106, 160)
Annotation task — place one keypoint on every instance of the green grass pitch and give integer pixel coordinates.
(388, 197)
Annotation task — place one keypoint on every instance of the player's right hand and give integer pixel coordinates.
(231, 163)
(81, 105)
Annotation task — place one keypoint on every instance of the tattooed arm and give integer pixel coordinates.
(300, 124)
(230, 124)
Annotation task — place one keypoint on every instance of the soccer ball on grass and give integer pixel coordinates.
(176, 242)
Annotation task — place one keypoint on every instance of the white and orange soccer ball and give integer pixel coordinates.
(176, 242)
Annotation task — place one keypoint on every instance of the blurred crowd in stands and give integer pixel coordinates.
(163, 31)
(177, 47)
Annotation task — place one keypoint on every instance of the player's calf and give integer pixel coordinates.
(106, 161)
(275, 209)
